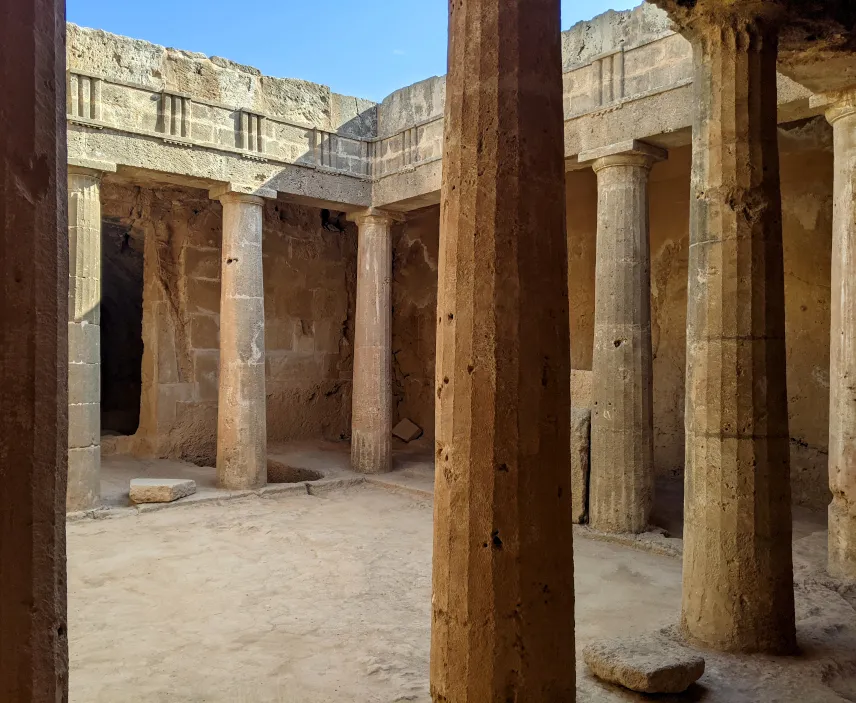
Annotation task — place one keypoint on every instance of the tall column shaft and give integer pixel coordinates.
(33, 353)
(84, 338)
(621, 492)
(242, 405)
(842, 376)
(737, 574)
(371, 412)
(503, 587)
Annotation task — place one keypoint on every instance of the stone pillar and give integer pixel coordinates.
(737, 573)
(33, 352)
(621, 493)
(242, 405)
(84, 338)
(371, 405)
(503, 587)
(842, 374)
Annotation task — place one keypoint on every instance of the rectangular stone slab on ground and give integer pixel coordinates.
(160, 490)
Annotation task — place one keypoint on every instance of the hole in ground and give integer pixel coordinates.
(277, 472)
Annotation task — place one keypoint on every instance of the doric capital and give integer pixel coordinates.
(629, 153)
(692, 17)
(375, 216)
(239, 193)
(837, 105)
(90, 167)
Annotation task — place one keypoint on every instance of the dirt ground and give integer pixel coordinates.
(323, 598)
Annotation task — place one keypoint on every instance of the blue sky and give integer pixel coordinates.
(368, 48)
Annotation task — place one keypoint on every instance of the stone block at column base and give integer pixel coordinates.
(84, 478)
(842, 539)
(371, 452)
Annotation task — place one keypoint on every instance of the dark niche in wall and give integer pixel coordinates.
(121, 329)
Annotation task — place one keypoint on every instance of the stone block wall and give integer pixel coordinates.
(414, 325)
(309, 292)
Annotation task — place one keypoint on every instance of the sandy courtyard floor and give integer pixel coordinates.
(323, 598)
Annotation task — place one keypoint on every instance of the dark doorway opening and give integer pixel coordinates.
(121, 329)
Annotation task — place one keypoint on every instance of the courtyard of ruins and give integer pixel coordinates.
(529, 383)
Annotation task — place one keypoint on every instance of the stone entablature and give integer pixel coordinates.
(626, 76)
(100, 102)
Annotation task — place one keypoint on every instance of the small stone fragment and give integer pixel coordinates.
(647, 664)
(160, 490)
(407, 430)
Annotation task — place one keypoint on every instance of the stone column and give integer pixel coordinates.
(621, 492)
(242, 404)
(842, 374)
(737, 574)
(84, 338)
(371, 405)
(503, 587)
(33, 352)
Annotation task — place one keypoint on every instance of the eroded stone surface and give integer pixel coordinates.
(842, 390)
(242, 403)
(371, 412)
(160, 490)
(646, 664)
(621, 495)
(84, 337)
(738, 576)
(503, 549)
(34, 260)
(580, 462)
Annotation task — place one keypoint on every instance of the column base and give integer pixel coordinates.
(842, 539)
(371, 453)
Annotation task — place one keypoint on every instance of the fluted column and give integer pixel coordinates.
(371, 407)
(33, 353)
(621, 492)
(503, 587)
(84, 338)
(842, 375)
(241, 409)
(737, 573)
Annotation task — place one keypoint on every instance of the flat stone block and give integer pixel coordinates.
(160, 490)
(647, 664)
(407, 431)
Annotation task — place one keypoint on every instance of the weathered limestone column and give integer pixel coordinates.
(84, 338)
(842, 375)
(33, 352)
(503, 587)
(737, 574)
(621, 492)
(242, 404)
(371, 405)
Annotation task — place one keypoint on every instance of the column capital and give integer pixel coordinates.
(629, 153)
(377, 215)
(90, 167)
(238, 193)
(696, 17)
(836, 105)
